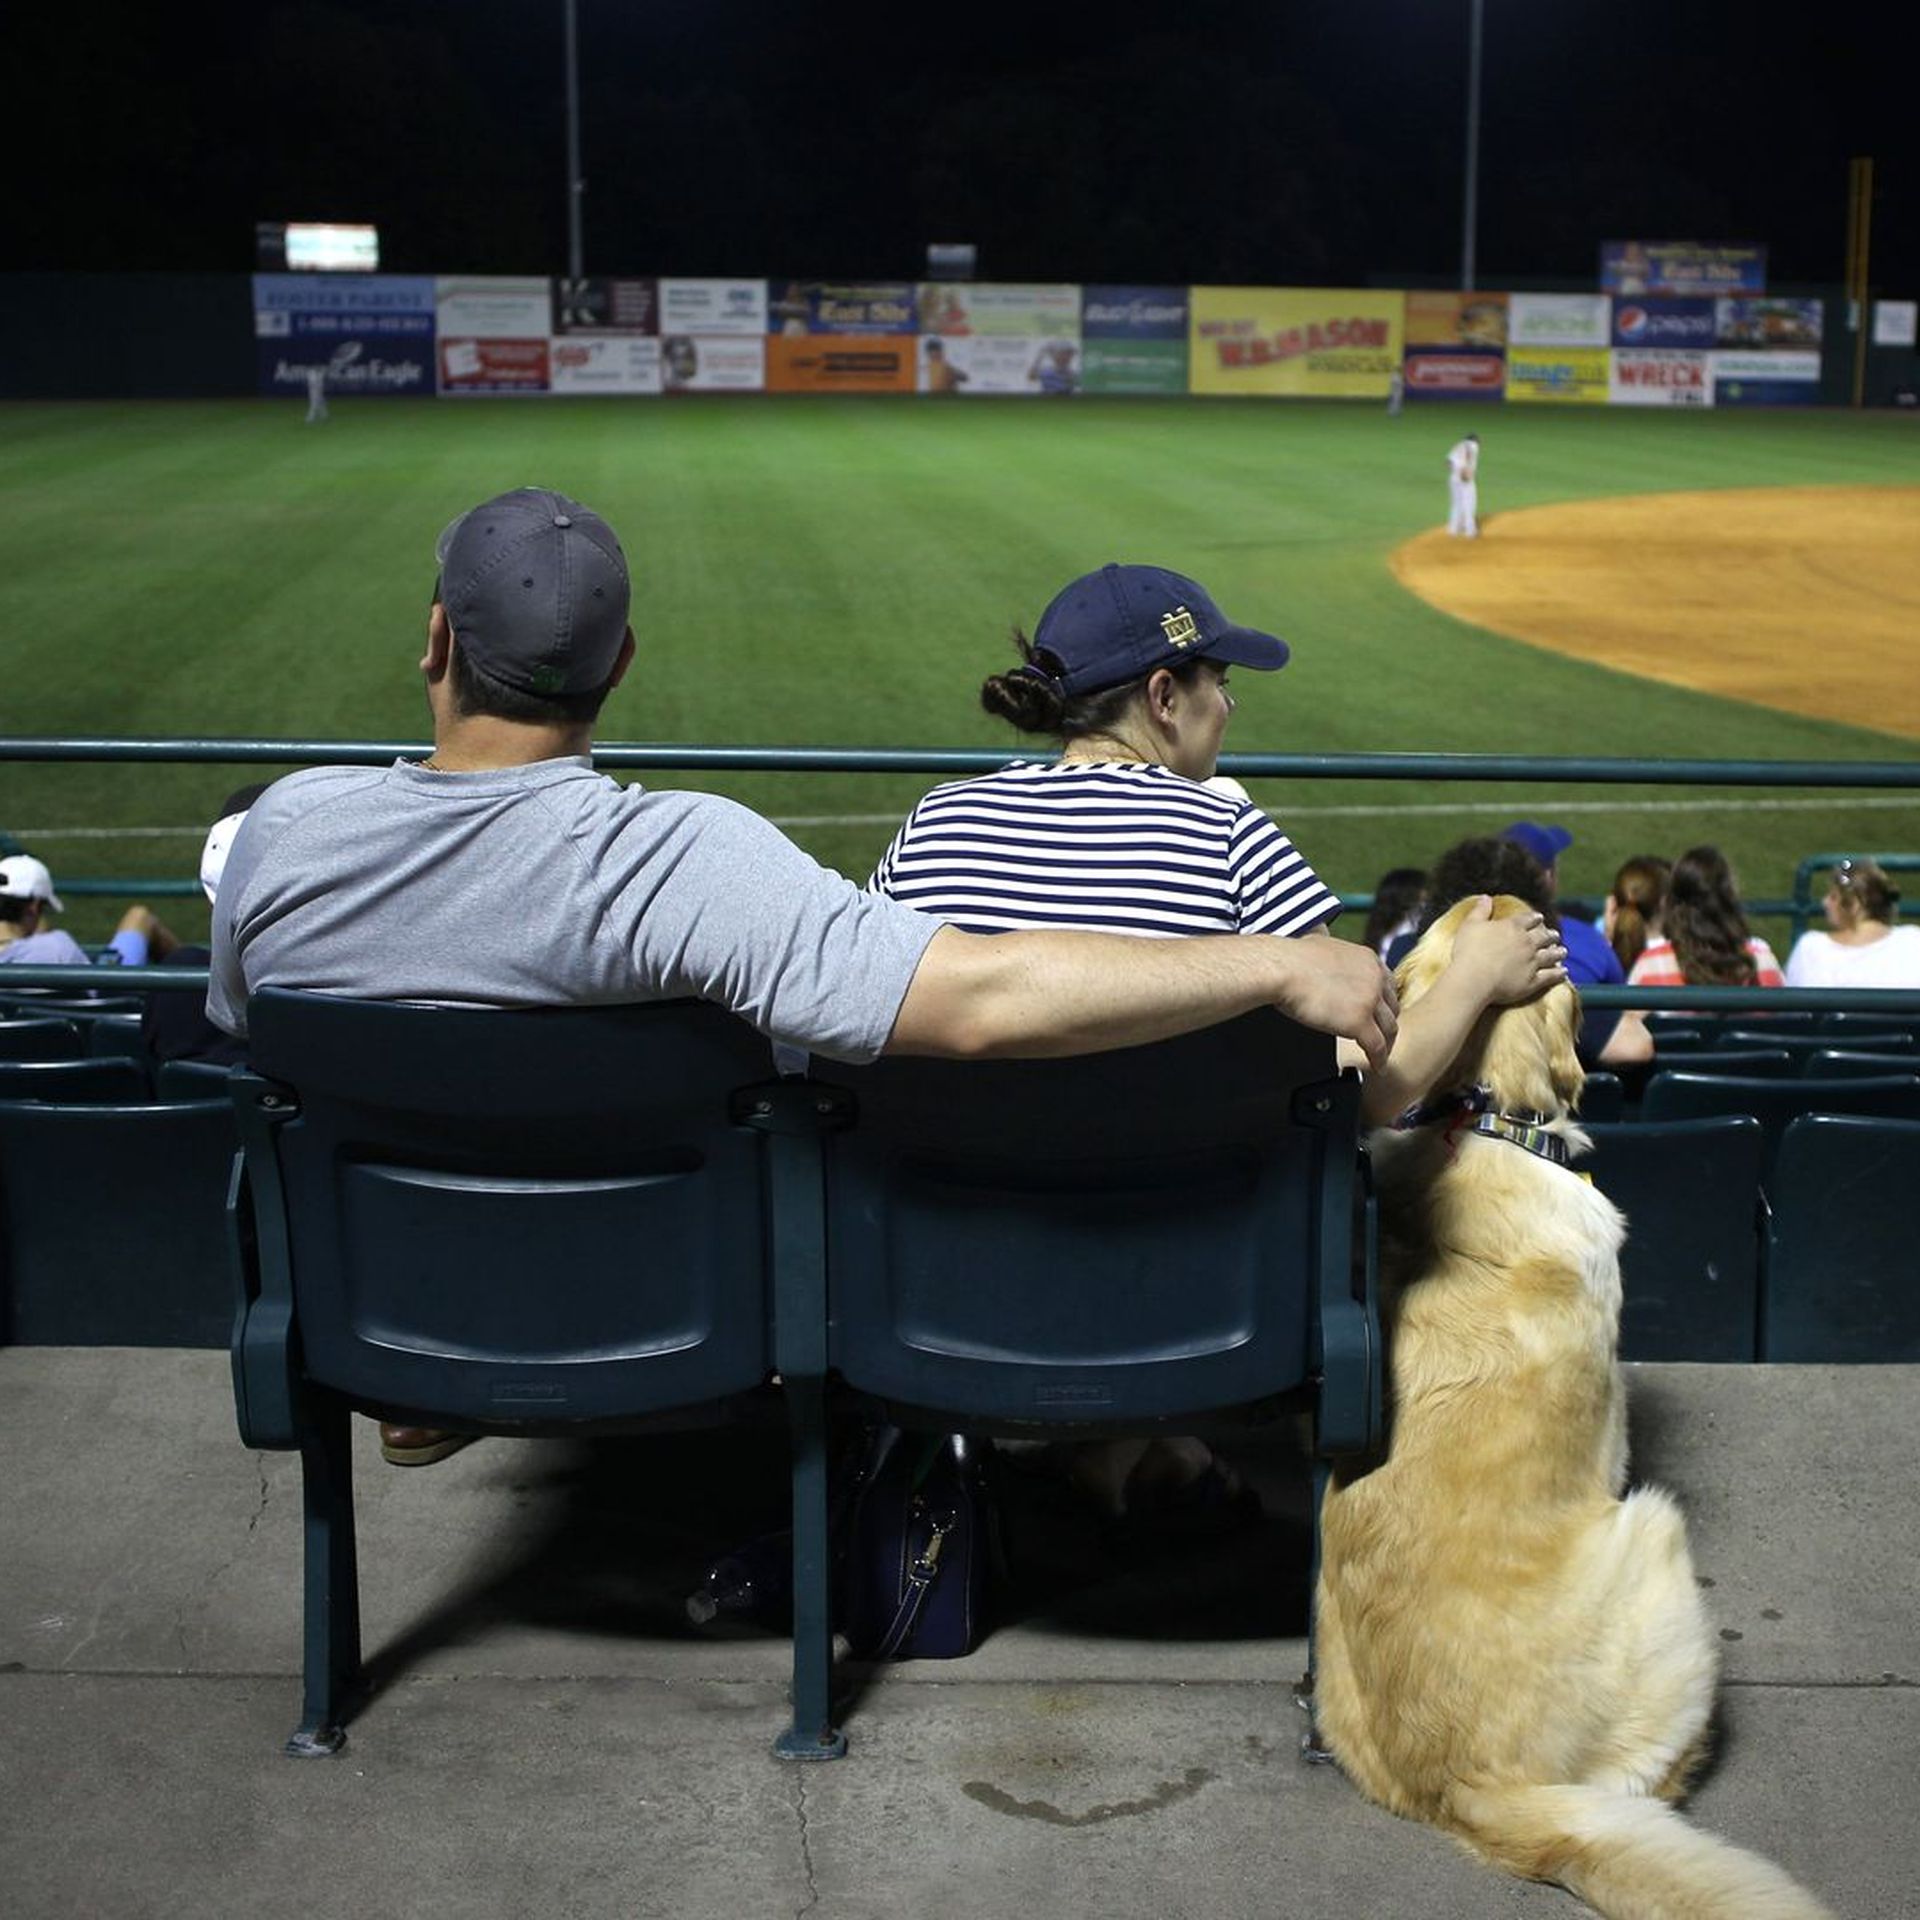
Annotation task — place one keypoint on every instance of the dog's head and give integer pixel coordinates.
(1524, 1055)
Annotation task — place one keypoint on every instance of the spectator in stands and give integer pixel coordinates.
(174, 1026)
(1864, 946)
(1635, 904)
(1128, 670)
(27, 901)
(1609, 1037)
(1131, 829)
(1399, 896)
(1705, 940)
(413, 882)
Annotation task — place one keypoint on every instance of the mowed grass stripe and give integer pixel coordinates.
(844, 572)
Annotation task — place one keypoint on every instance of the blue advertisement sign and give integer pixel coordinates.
(1766, 393)
(1770, 323)
(1133, 313)
(863, 306)
(1680, 266)
(1662, 322)
(370, 333)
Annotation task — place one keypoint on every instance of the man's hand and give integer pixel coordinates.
(1509, 960)
(1342, 989)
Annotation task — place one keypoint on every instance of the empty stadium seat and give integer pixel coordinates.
(115, 1036)
(1800, 1044)
(40, 1039)
(1850, 1024)
(112, 1082)
(1690, 1269)
(1776, 1103)
(1760, 1062)
(191, 1080)
(1839, 1282)
(1603, 1098)
(1837, 1064)
(113, 1224)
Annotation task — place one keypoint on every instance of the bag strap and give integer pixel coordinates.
(922, 1570)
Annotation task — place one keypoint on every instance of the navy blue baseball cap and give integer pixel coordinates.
(1546, 844)
(1121, 623)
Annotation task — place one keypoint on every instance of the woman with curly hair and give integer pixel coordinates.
(1705, 940)
(1863, 946)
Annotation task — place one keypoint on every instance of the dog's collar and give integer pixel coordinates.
(1471, 1110)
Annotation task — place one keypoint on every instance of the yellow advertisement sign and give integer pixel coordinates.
(1327, 342)
(1457, 320)
(1568, 376)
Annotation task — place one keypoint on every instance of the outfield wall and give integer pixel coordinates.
(398, 335)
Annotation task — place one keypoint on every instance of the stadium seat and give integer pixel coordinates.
(112, 1082)
(1836, 1064)
(1768, 1062)
(1802, 1044)
(417, 1182)
(115, 1036)
(1839, 1282)
(1603, 1098)
(112, 1224)
(40, 1039)
(1775, 1103)
(1848, 1025)
(1714, 1027)
(1132, 1242)
(191, 1080)
(1690, 1269)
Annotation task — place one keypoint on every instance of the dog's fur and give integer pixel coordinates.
(1507, 1648)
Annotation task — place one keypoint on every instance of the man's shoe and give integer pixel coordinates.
(419, 1446)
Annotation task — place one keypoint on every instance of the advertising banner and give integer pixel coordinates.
(1681, 266)
(1778, 379)
(1134, 366)
(840, 363)
(1454, 373)
(713, 306)
(1896, 323)
(1134, 313)
(1330, 342)
(859, 307)
(1566, 376)
(606, 306)
(493, 366)
(373, 333)
(1663, 322)
(1558, 320)
(721, 363)
(1661, 377)
(1769, 323)
(998, 364)
(1457, 320)
(499, 307)
(957, 308)
(617, 363)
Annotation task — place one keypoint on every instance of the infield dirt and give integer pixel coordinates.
(1804, 599)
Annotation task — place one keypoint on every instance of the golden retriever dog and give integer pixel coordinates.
(1511, 1647)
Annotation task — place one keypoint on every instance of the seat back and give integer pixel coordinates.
(191, 1080)
(29, 1038)
(501, 1219)
(1833, 1064)
(1840, 1251)
(1769, 1063)
(1131, 1236)
(112, 1224)
(1690, 1269)
(1603, 1098)
(112, 1082)
(1863, 1040)
(1776, 1103)
(115, 1036)
(1847, 1025)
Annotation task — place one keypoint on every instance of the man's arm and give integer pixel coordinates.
(1042, 995)
(1495, 964)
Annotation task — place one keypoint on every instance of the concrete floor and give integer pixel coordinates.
(547, 1735)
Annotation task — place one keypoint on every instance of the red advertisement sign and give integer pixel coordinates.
(493, 366)
(1440, 374)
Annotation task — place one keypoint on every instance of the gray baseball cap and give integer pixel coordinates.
(535, 587)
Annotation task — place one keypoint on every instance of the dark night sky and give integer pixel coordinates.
(1294, 142)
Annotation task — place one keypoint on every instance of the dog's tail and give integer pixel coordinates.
(1628, 1857)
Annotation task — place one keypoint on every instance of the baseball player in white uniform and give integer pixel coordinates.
(1463, 487)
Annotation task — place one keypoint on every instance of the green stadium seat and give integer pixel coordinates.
(1848, 1025)
(192, 1080)
(40, 1039)
(1838, 1064)
(112, 1082)
(1777, 1103)
(115, 1036)
(1690, 1269)
(1839, 1282)
(113, 1224)
(1761, 1062)
(1802, 1044)
(1603, 1098)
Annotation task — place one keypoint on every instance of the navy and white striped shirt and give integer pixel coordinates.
(1124, 847)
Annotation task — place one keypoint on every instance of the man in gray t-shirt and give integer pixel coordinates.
(503, 871)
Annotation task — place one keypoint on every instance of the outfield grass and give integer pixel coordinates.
(844, 572)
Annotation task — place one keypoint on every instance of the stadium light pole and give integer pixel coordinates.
(575, 251)
(1473, 147)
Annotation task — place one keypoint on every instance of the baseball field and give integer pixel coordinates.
(1737, 584)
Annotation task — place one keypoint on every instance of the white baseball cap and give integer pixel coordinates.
(213, 856)
(22, 877)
